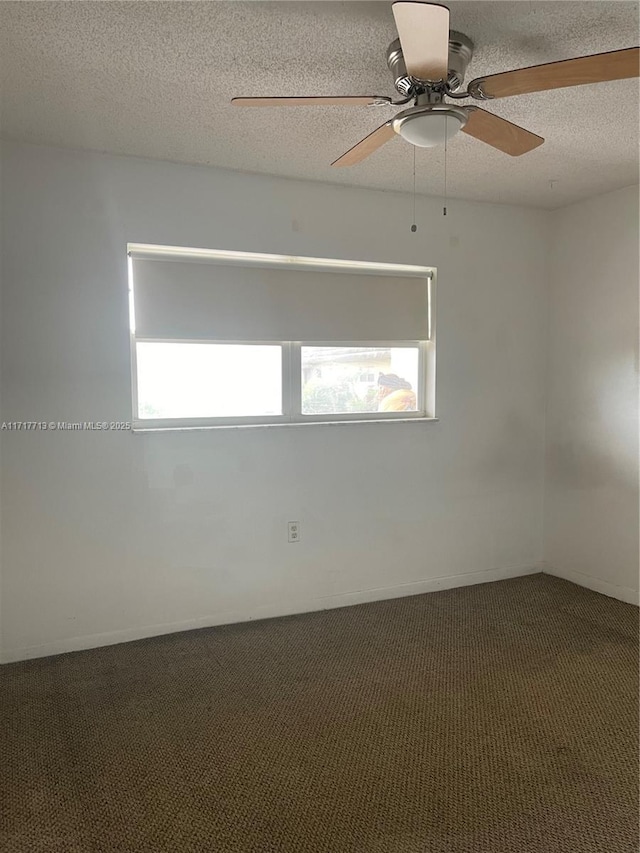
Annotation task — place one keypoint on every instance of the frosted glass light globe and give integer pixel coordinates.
(428, 129)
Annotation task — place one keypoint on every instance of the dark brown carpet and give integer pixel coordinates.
(487, 719)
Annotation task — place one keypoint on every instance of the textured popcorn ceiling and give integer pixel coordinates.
(155, 79)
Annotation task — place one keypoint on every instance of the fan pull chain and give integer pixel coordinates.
(444, 209)
(414, 227)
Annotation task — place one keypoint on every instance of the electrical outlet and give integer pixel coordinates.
(294, 531)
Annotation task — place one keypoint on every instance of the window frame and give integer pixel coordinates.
(292, 363)
(139, 423)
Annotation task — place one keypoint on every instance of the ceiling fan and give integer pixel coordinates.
(428, 63)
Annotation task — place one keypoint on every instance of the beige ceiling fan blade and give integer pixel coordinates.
(423, 29)
(366, 146)
(599, 68)
(345, 101)
(500, 133)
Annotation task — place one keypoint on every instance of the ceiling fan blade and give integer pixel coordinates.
(347, 100)
(423, 29)
(599, 68)
(366, 146)
(500, 133)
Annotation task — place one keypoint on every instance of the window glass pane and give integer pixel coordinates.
(342, 380)
(185, 380)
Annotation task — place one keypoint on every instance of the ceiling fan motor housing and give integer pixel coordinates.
(460, 53)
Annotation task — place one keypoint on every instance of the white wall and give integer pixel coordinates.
(591, 497)
(111, 536)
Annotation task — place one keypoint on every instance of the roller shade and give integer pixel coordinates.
(212, 299)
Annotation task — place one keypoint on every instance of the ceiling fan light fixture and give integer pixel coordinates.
(430, 126)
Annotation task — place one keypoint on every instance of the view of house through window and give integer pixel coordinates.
(344, 380)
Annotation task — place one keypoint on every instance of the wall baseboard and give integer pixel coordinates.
(345, 599)
(622, 593)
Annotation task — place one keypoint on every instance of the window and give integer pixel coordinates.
(234, 338)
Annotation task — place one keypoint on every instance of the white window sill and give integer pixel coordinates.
(287, 425)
